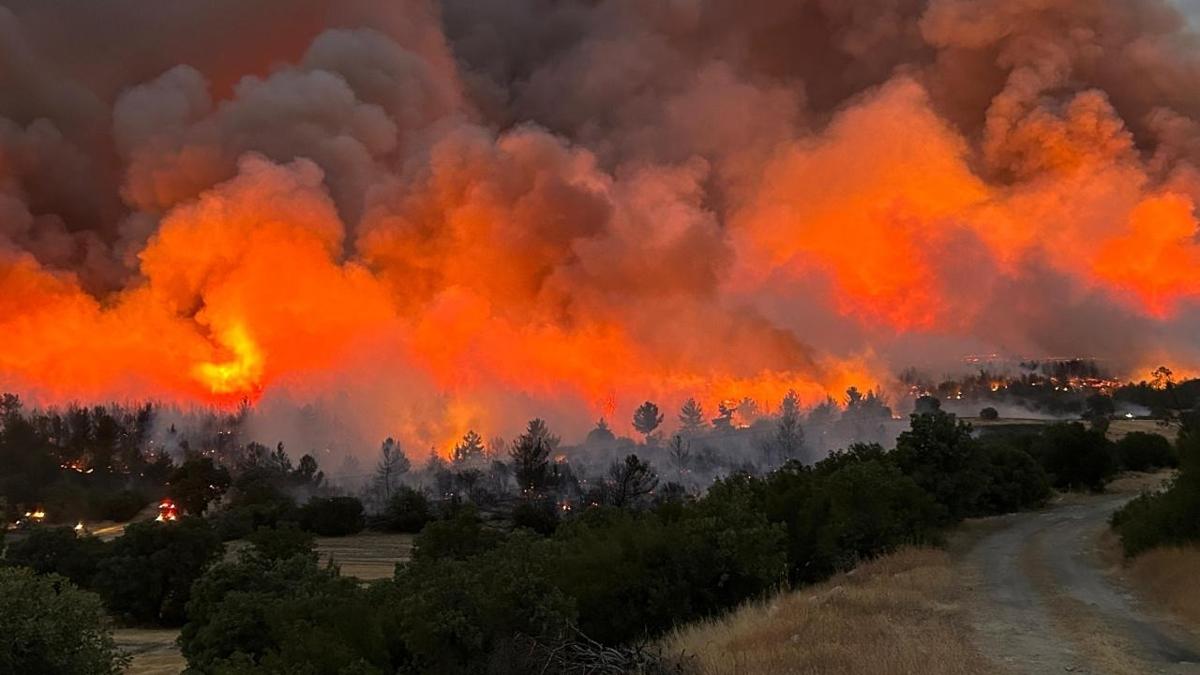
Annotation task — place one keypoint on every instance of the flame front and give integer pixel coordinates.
(661, 201)
(241, 374)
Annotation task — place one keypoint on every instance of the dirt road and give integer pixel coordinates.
(1047, 599)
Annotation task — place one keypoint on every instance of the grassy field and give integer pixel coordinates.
(1117, 428)
(366, 556)
(154, 650)
(902, 613)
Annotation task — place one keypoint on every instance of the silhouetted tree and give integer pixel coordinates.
(789, 435)
(469, 450)
(308, 474)
(197, 482)
(989, 413)
(724, 419)
(601, 434)
(630, 479)
(646, 419)
(392, 465)
(530, 455)
(691, 417)
(927, 405)
(680, 452)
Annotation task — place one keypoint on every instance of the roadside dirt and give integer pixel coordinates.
(1046, 596)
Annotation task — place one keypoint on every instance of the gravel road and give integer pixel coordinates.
(1047, 600)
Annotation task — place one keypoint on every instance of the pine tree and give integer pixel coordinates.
(691, 417)
(392, 465)
(530, 455)
(469, 450)
(646, 419)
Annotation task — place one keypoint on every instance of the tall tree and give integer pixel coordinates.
(392, 465)
(631, 480)
(680, 451)
(691, 417)
(646, 419)
(469, 451)
(530, 455)
(789, 435)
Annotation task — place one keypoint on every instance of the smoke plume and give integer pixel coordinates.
(439, 215)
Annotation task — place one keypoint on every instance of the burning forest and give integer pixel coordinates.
(510, 336)
(427, 217)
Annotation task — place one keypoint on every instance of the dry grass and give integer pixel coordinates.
(1167, 577)
(1119, 428)
(153, 649)
(903, 613)
(366, 556)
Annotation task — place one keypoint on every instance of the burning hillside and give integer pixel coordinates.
(434, 216)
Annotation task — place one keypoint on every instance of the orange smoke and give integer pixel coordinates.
(695, 219)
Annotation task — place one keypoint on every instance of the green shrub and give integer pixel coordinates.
(407, 511)
(59, 550)
(1172, 516)
(941, 457)
(539, 514)
(148, 574)
(282, 542)
(1141, 451)
(1075, 457)
(459, 616)
(861, 509)
(638, 574)
(282, 615)
(1014, 480)
(119, 506)
(332, 516)
(49, 627)
(460, 536)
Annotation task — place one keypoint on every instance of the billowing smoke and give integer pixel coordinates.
(434, 216)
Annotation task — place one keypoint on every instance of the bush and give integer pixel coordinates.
(989, 413)
(460, 616)
(633, 575)
(460, 536)
(282, 542)
(148, 575)
(1075, 457)
(257, 501)
(537, 514)
(119, 506)
(1141, 451)
(941, 457)
(49, 627)
(282, 615)
(856, 507)
(1170, 517)
(332, 516)
(1015, 480)
(407, 511)
(59, 550)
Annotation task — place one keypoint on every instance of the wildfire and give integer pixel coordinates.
(239, 375)
(362, 221)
